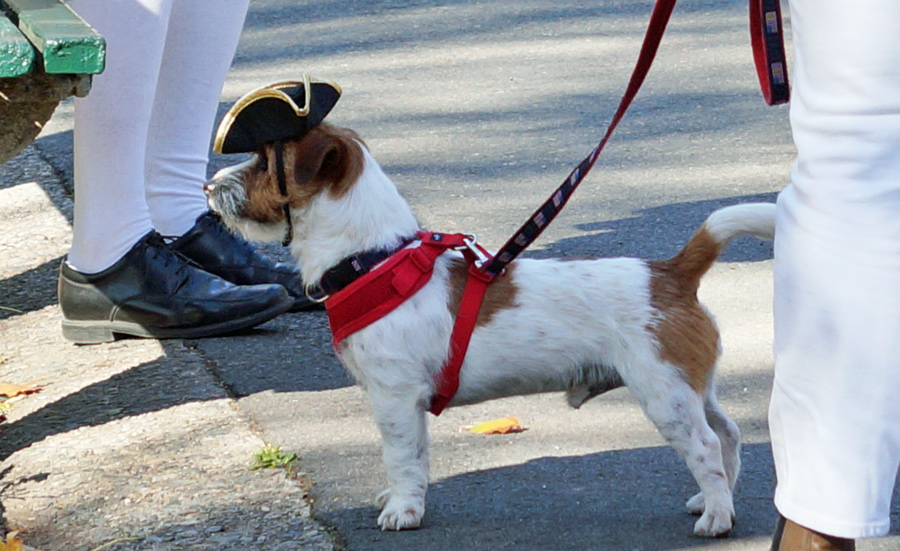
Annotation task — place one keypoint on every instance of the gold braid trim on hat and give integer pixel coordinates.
(269, 91)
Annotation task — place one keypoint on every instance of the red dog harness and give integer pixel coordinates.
(388, 285)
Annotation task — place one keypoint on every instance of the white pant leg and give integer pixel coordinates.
(203, 36)
(835, 412)
(111, 131)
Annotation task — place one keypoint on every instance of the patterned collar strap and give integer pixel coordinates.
(350, 269)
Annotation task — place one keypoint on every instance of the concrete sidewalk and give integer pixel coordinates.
(131, 443)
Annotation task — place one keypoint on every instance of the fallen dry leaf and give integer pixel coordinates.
(14, 544)
(11, 544)
(497, 426)
(11, 391)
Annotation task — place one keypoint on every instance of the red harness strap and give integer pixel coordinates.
(473, 295)
(380, 291)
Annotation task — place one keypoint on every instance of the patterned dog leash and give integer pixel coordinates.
(767, 39)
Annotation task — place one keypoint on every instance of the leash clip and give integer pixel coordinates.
(470, 243)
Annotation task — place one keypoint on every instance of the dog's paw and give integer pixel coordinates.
(399, 513)
(696, 505)
(714, 524)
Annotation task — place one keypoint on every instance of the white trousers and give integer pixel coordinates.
(142, 135)
(835, 409)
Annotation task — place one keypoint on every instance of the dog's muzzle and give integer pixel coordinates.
(226, 199)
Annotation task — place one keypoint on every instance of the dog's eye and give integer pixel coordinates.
(263, 164)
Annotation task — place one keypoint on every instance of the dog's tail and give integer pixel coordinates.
(722, 226)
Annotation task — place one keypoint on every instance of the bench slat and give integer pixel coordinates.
(16, 53)
(67, 43)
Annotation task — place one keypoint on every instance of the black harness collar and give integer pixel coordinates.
(350, 269)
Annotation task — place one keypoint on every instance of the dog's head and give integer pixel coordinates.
(326, 160)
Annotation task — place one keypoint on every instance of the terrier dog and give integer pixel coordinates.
(576, 326)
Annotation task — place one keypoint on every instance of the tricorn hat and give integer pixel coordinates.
(275, 112)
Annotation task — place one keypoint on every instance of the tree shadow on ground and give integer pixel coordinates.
(173, 379)
(628, 499)
(30, 291)
(659, 232)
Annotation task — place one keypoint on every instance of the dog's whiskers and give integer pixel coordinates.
(229, 196)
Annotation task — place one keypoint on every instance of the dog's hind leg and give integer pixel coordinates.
(730, 441)
(401, 419)
(679, 414)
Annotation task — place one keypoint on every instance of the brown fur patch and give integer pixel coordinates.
(500, 294)
(687, 336)
(327, 158)
(695, 259)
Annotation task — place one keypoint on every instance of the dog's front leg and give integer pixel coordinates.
(401, 418)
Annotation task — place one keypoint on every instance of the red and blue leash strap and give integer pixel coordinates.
(767, 37)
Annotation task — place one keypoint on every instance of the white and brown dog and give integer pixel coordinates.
(607, 322)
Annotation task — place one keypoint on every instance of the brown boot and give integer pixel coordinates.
(790, 536)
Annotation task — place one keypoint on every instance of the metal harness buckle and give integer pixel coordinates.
(470, 241)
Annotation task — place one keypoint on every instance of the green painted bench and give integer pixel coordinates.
(47, 53)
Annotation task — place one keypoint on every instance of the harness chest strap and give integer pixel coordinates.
(473, 295)
(379, 292)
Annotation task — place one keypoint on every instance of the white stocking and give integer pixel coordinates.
(142, 134)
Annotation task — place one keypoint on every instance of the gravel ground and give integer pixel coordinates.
(129, 445)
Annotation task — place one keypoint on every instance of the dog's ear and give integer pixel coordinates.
(330, 156)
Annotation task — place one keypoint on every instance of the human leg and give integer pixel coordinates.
(111, 123)
(834, 417)
(120, 277)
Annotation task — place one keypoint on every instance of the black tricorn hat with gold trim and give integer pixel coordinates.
(275, 112)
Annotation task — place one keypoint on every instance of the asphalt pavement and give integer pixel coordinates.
(478, 109)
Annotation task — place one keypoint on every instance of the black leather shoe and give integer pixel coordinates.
(154, 292)
(218, 251)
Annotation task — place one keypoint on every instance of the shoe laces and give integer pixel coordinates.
(219, 227)
(179, 264)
